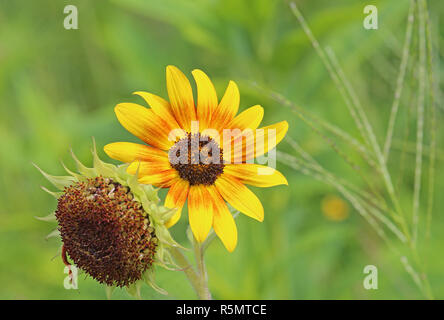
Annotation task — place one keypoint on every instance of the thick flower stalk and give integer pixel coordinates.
(111, 227)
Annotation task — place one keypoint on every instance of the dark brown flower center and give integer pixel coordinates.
(105, 231)
(198, 159)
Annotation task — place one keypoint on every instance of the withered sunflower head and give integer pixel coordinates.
(105, 231)
(112, 227)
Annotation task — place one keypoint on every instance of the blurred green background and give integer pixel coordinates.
(58, 88)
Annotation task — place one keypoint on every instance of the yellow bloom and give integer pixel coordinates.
(186, 155)
(334, 208)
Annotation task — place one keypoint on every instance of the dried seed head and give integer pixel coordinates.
(102, 229)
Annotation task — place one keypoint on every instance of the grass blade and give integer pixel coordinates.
(432, 150)
(420, 122)
(400, 80)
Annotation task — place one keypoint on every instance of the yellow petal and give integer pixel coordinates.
(157, 174)
(181, 97)
(248, 119)
(129, 152)
(160, 106)
(267, 138)
(144, 124)
(206, 98)
(223, 222)
(258, 143)
(255, 174)
(227, 108)
(241, 129)
(200, 211)
(148, 168)
(160, 180)
(240, 197)
(176, 197)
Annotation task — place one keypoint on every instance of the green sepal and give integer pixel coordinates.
(109, 291)
(165, 260)
(134, 289)
(102, 168)
(54, 194)
(49, 217)
(83, 170)
(151, 192)
(59, 182)
(78, 177)
(190, 235)
(148, 276)
(166, 213)
(165, 237)
(54, 233)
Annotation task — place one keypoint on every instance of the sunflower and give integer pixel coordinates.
(184, 152)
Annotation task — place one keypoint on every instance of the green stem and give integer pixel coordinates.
(197, 279)
(201, 270)
(427, 289)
